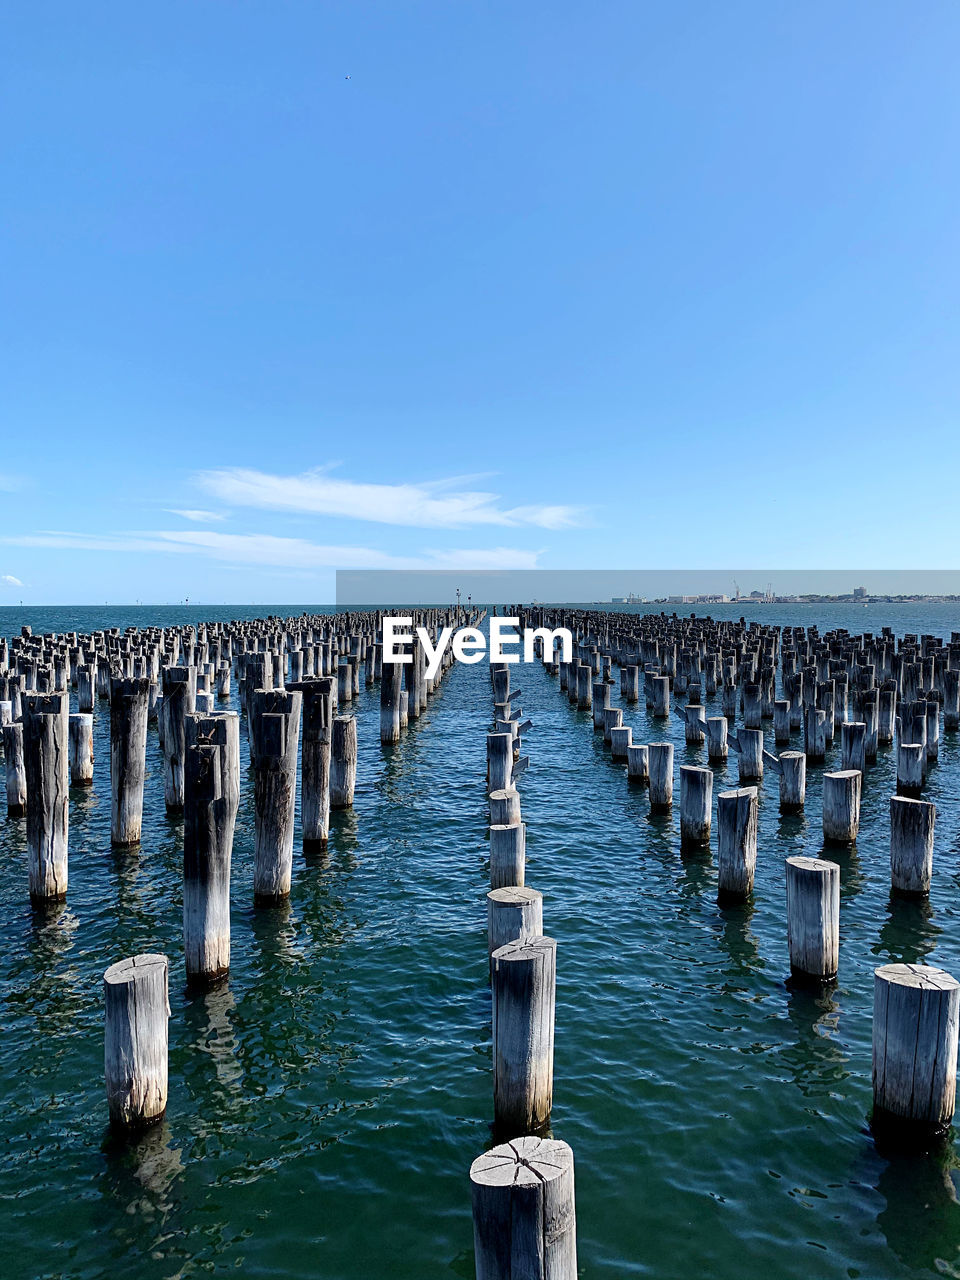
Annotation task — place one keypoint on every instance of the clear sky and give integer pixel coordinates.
(296, 286)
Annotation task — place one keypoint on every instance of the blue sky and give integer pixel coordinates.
(293, 287)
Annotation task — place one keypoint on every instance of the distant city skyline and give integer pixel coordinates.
(608, 585)
(297, 288)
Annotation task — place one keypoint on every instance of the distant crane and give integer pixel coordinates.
(736, 585)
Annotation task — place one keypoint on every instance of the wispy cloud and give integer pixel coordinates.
(424, 505)
(9, 580)
(279, 552)
(200, 516)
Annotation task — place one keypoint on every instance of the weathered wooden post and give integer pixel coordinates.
(45, 736)
(499, 761)
(315, 749)
(514, 914)
(211, 802)
(508, 846)
(660, 761)
(128, 758)
(887, 712)
(910, 764)
(16, 769)
(951, 699)
(781, 721)
(841, 806)
(523, 979)
(793, 781)
(737, 812)
(343, 762)
(179, 700)
(630, 683)
(752, 710)
(749, 744)
(505, 807)
(391, 690)
(638, 767)
(815, 734)
(660, 689)
(612, 719)
(135, 1040)
(276, 735)
(717, 748)
(696, 803)
(916, 1015)
(911, 846)
(813, 918)
(86, 687)
(81, 749)
(621, 739)
(853, 745)
(524, 1219)
(600, 703)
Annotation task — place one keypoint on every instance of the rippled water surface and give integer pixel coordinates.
(326, 1103)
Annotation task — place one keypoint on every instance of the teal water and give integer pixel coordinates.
(325, 1104)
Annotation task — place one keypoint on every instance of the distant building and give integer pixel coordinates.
(859, 593)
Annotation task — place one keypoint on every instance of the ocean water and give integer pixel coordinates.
(326, 1103)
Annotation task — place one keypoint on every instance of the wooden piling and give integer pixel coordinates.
(660, 762)
(523, 979)
(81, 749)
(514, 914)
(343, 762)
(524, 1219)
(135, 1040)
(211, 802)
(45, 735)
(737, 813)
(916, 1015)
(276, 735)
(696, 803)
(507, 855)
(813, 918)
(841, 806)
(911, 846)
(16, 769)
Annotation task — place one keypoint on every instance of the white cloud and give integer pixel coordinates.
(202, 517)
(269, 550)
(427, 505)
(9, 580)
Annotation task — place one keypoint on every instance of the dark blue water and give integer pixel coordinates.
(326, 1104)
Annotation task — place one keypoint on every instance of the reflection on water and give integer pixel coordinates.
(921, 1220)
(814, 1056)
(908, 935)
(738, 943)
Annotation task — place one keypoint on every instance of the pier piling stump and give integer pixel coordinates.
(135, 1040)
(841, 806)
(81, 749)
(523, 979)
(813, 918)
(129, 699)
(343, 762)
(508, 846)
(911, 846)
(737, 813)
(916, 1015)
(524, 1219)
